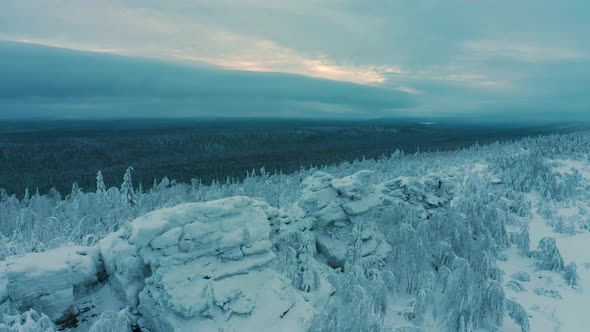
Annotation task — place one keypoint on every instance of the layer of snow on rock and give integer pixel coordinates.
(333, 205)
(28, 321)
(204, 266)
(423, 193)
(49, 282)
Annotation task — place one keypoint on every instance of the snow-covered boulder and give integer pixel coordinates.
(333, 205)
(125, 268)
(329, 200)
(320, 201)
(28, 321)
(203, 266)
(50, 282)
(358, 192)
(422, 193)
(110, 321)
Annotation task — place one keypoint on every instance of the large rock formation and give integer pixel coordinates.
(336, 207)
(194, 267)
(201, 266)
(333, 205)
(209, 266)
(423, 194)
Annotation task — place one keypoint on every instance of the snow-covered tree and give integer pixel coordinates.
(110, 321)
(127, 191)
(100, 187)
(548, 255)
(76, 191)
(28, 321)
(359, 304)
(491, 308)
(26, 198)
(458, 303)
(443, 255)
(523, 241)
(518, 314)
(571, 274)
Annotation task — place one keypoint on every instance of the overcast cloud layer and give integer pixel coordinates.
(383, 57)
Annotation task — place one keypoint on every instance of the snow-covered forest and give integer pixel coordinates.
(489, 238)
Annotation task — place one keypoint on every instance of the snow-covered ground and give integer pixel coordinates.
(491, 238)
(568, 166)
(551, 303)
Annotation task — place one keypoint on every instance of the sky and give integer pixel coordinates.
(305, 58)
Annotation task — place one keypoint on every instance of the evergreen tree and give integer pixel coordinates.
(27, 198)
(127, 192)
(523, 243)
(100, 187)
(75, 191)
(3, 195)
(491, 311)
(571, 274)
(548, 255)
(518, 314)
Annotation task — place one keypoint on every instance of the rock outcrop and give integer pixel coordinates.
(333, 205)
(201, 266)
(212, 265)
(49, 282)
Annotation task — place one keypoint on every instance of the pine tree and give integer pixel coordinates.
(75, 191)
(27, 198)
(127, 192)
(353, 252)
(518, 315)
(100, 187)
(195, 183)
(492, 306)
(548, 255)
(55, 195)
(3, 195)
(523, 243)
(310, 279)
(571, 274)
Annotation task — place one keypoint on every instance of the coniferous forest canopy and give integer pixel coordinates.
(54, 154)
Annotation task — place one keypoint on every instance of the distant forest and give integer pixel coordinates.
(46, 154)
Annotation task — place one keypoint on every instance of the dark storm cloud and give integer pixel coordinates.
(56, 78)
